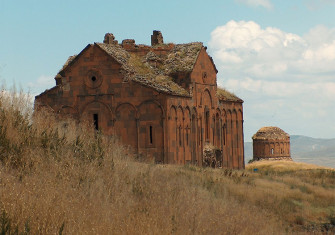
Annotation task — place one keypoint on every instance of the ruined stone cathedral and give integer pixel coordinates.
(161, 100)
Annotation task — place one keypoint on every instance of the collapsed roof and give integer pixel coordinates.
(155, 70)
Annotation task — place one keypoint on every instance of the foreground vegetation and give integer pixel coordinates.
(61, 177)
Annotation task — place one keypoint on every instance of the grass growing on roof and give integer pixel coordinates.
(226, 95)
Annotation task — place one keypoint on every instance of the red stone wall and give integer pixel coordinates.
(162, 127)
(203, 119)
(271, 148)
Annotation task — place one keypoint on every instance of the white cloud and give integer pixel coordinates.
(257, 3)
(40, 84)
(284, 78)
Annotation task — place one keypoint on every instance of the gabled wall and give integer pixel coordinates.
(93, 87)
(202, 120)
(165, 128)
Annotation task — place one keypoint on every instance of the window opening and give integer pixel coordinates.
(271, 151)
(214, 131)
(150, 135)
(93, 78)
(224, 135)
(207, 125)
(179, 135)
(187, 136)
(96, 121)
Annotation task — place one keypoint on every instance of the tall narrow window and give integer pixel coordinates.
(186, 136)
(272, 151)
(214, 131)
(96, 121)
(207, 125)
(179, 136)
(224, 134)
(150, 135)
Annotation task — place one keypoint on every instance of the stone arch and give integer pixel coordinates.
(194, 135)
(281, 148)
(172, 140)
(207, 123)
(217, 129)
(194, 111)
(150, 129)
(187, 134)
(218, 111)
(277, 149)
(223, 126)
(127, 103)
(180, 135)
(99, 114)
(187, 112)
(240, 147)
(240, 115)
(125, 124)
(180, 111)
(229, 147)
(155, 102)
(207, 98)
(235, 138)
(173, 112)
(223, 113)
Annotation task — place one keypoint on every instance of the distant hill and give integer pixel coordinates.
(306, 149)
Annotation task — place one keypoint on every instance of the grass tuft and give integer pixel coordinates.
(60, 176)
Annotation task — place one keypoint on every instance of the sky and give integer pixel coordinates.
(278, 56)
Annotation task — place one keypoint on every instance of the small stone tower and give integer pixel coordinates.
(156, 38)
(271, 143)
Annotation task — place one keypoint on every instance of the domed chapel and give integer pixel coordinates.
(271, 143)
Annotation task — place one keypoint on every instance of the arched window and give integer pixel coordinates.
(224, 134)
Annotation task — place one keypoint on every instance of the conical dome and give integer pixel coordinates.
(270, 132)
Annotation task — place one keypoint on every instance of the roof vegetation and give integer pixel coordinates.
(270, 132)
(224, 95)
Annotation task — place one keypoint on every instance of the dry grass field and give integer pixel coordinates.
(59, 177)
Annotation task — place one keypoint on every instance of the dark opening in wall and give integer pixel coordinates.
(180, 143)
(224, 134)
(186, 136)
(96, 121)
(93, 78)
(150, 135)
(207, 125)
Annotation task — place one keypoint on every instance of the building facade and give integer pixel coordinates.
(161, 100)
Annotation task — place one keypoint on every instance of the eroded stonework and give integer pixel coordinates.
(161, 100)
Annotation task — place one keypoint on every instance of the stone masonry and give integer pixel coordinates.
(271, 143)
(161, 100)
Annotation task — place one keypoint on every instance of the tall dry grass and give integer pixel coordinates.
(59, 176)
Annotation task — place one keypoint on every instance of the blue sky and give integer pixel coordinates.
(279, 56)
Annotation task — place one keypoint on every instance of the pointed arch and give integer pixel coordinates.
(151, 129)
(125, 124)
(207, 98)
(99, 115)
